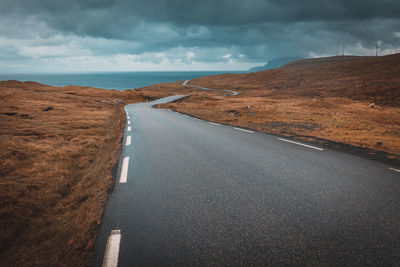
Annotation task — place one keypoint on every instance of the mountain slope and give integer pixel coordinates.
(274, 63)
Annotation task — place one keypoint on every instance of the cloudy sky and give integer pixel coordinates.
(133, 35)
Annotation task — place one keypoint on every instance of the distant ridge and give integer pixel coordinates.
(311, 62)
(274, 63)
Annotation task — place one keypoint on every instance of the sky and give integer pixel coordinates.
(44, 36)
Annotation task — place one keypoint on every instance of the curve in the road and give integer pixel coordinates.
(196, 193)
(185, 83)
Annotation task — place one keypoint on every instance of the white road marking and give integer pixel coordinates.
(185, 115)
(197, 119)
(393, 169)
(124, 171)
(129, 128)
(185, 82)
(244, 130)
(129, 122)
(214, 123)
(128, 140)
(112, 249)
(300, 144)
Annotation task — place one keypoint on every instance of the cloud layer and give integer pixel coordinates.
(176, 34)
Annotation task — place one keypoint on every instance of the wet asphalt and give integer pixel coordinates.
(199, 194)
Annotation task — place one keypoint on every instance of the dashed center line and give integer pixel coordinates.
(124, 171)
(129, 128)
(185, 115)
(244, 130)
(214, 123)
(112, 249)
(300, 144)
(129, 122)
(128, 140)
(393, 169)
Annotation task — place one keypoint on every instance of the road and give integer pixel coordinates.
(231, 92)
(190, 192)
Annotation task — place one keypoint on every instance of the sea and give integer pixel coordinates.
(112, 80)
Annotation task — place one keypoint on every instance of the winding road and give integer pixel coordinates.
(191, 192)
(231, 92)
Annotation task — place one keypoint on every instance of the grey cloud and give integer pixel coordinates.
(250, 30)
(211, 12)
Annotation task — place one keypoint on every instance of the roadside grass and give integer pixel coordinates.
(325, 101)
(58, 147)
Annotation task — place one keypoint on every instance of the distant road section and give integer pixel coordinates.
(201, 194)
(185, 83)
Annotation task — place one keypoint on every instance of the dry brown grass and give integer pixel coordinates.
(328, 101)
(55, 165)
(58, 146)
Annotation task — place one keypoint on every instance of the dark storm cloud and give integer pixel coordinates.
(206, 12)
(253, 30)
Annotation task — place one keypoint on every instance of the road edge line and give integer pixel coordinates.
(300, 144)
(244, 130)
(393, 169)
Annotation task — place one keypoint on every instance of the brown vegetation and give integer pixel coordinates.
(327, 99)
(58, 146)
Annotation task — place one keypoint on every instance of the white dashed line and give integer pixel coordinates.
(128, 140)
(197, 119)
(300, 144)
(129, 122)
(214, 123)
(129, 128)
(244, 130)
(124, 171)
(112, 249)
(185, 115)
(393, 169)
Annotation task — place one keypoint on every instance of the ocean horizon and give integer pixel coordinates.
(112, 80)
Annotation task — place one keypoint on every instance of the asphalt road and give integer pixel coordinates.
(231, 92)
(205, 194)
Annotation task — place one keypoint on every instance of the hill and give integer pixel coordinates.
(313, 62)
(342, 100)
(274, 63)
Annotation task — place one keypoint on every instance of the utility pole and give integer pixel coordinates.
(337, 50)
(376, 51)
(343, 50)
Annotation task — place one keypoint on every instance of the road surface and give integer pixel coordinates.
(190, 192)
(231, 92)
